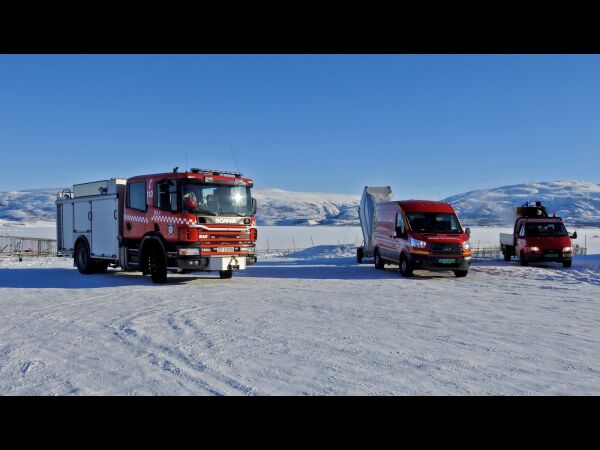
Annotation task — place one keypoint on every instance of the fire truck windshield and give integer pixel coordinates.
(434, 222)
(216, 200)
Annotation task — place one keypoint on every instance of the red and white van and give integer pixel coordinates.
(420, 234)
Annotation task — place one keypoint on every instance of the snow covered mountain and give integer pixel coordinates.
(36, 205)
(275, 207)
(577, 202)
(279, 207)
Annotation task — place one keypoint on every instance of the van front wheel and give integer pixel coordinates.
(460, 273)
(405, 269)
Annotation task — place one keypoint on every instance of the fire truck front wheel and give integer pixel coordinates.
(157, 265)
(225, 273)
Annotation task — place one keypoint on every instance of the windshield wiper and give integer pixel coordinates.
(205, 211)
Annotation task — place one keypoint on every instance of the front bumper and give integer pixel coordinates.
(435, 262)
(202, 263)
(549, 257)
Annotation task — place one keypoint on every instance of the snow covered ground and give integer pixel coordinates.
(312, 324)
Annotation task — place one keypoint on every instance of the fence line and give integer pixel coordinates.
(27, 246)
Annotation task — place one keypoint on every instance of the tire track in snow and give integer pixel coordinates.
(162, 356)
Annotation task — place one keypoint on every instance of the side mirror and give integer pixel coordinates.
(468, 232)
(574, 235)
(253, 205)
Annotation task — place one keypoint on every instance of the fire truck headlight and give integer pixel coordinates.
(416, 243)
(189, 252)
(534, 249)
(466, 245)
(568, 250)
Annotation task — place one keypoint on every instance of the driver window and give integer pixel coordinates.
(166, 200)
(522, 231)
(400, 223)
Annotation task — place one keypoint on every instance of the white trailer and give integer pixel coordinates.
(370, 198)
(92, 211)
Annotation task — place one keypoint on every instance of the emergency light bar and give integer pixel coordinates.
(216, 172)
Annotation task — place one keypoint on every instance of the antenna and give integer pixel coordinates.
(186, 167)
(234, 158)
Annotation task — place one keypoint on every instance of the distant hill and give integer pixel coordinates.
(578, 202)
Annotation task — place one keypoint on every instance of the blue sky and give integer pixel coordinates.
(428, 125)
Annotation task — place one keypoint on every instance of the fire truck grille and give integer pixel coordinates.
(446, 249)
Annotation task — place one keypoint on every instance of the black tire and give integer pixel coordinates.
(405, 269)
(523, 259)
(360, 254)
(379, 264)
(460, 273)
(567, 262)
(157, 265)
(83, 261)
(224, 274)
(507, 254)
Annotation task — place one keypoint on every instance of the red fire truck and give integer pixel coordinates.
(198, 220)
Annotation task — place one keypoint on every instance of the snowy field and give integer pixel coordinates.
(315, 324)
(300, 237)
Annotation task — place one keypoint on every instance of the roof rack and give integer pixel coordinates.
(215, 172)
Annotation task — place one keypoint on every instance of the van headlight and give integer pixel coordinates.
(416, 243)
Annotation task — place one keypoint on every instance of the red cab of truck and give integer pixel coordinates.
(420, 234)
(537, 237)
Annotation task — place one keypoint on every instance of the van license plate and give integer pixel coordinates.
(446, 260)
(551, 255)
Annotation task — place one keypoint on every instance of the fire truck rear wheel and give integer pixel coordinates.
(507, 254)
(157, 265)
(82, 259)
(225, 274)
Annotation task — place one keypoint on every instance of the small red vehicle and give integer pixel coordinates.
(420, 234)
(537, 237)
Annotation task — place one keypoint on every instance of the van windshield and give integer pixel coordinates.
(545, 229)
(434, 222)
(216, 200)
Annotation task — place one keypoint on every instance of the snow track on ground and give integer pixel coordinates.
(309, 324)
